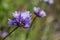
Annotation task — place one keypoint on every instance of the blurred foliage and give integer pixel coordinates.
(47, 28)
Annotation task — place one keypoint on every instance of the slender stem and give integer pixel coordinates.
(33, 21)
(30, 28)
(10, 33)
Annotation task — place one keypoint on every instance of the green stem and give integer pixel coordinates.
(10, 33)
(30, 28)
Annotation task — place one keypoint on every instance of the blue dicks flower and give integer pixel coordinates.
(38, 12)
(22, 18)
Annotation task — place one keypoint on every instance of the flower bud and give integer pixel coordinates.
(36, 10)
(42, 13)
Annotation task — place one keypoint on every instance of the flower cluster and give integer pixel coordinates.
(21, 18)
(38, 12)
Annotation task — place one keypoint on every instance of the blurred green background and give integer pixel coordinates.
(47, 28)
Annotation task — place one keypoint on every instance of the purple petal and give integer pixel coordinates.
(36, 9)
(27, 26)
(16, 14)
(42, 13)
(10, 22)
(27, 20)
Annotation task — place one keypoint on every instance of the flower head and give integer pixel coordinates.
(22, 18)
(38, 12)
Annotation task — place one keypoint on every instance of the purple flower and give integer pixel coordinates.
(38, 12)
(42, 13)
(21, 18)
